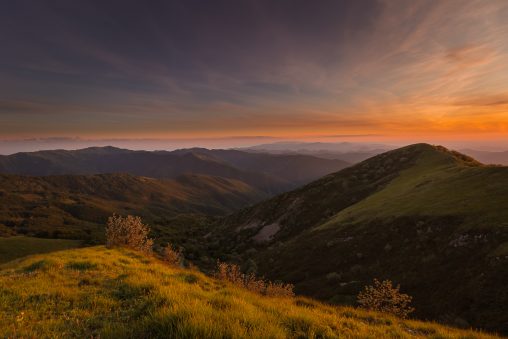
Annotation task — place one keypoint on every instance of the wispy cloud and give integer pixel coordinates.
(257, 67)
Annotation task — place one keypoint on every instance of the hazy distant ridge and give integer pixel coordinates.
(268, 173)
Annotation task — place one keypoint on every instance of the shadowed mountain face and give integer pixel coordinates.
(75, 206)
(268, 173)
(433, 220)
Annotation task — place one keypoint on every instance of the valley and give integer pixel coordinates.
(77, 206)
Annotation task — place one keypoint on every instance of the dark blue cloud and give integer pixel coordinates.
(139, 43)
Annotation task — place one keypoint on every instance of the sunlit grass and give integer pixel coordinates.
(436, 186)
(118, 293)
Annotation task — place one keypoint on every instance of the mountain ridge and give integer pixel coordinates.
(410, 215)
(265, 172)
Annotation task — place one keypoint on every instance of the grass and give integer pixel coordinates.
(97, 292)
(437, 186)
(19, 246)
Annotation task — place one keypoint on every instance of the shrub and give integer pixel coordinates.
(128, 232)
(229, 272)
(254, 284)
(384, 297)
(233, 274)
(279, 289)
(172, 256)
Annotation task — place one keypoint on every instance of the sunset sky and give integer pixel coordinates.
(360, 70)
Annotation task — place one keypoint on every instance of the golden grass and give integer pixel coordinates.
(97, 292)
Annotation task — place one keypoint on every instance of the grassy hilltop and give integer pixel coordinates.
(431, 219)
(98, 292)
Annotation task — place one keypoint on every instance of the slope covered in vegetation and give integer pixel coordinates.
(77, 207)
(116, 293)
(433, 220)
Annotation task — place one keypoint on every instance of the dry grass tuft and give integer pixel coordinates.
(233, 274)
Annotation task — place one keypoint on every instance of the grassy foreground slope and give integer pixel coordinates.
(97, 292)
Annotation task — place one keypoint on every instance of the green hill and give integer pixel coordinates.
(433, 220)
(97, 292)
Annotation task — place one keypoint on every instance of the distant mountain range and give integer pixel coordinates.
(346, 151)
(355, 152)
(341, 147)
(433, 220)
(265, 172)
(70, 194)
(488, 157)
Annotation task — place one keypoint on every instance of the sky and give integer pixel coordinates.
(252, 71)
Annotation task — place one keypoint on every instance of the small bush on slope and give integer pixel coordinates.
(128, 232)
(383, 297)
(131, 296)
(233, 274)
(279, 289)
(172, 256)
